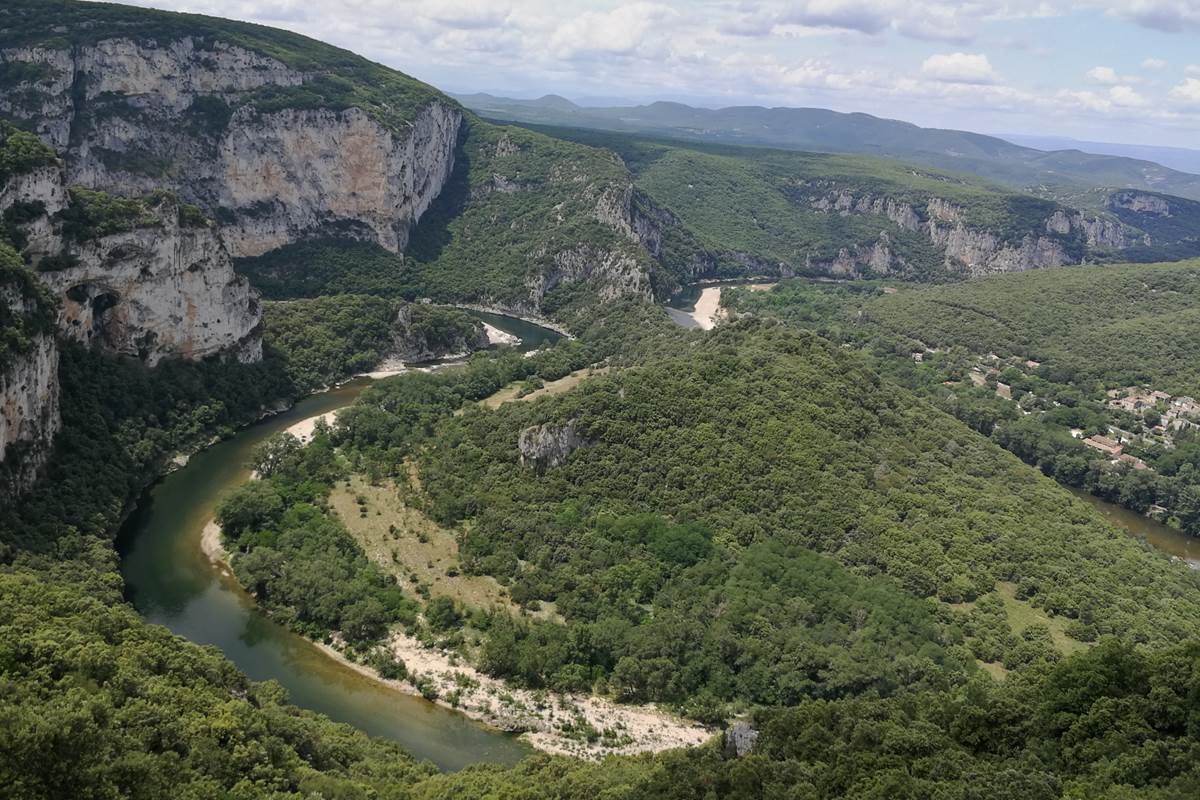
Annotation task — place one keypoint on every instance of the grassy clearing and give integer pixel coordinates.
(1021, 615)
(410, 546)
(564, 384)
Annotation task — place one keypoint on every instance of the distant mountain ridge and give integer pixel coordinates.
(1181, 158)
(1071, 176)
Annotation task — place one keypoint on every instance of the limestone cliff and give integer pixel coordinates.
(162, 288)
(29, 417)
(29, 405)
(1063, 237)
(271, 151)
(149, 278)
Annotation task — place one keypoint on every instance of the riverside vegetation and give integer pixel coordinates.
(755, 523)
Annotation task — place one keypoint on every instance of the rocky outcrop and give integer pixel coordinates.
(648, 225)
(978, 252)
(1097, 231)
(844, 202)
(29, 405)
(738, 739)
(1140, 202)
(135, 116)
(29, 416)
(612, 272)
(549, 445)
(414, 343)
(966, 248)
(161, 289)
(42, 194)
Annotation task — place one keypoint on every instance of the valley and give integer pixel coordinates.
(358, 440)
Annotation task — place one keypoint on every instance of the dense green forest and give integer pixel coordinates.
(1057, 341)
(1119, 325)
(954, 517)
(801, 528)
(326, 339)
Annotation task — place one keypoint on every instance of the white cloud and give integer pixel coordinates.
(1154, 63)
(1170, 16)
(1109, 76)
(1105, 75)
(1193, 69)
(471, 14)
(1187, 93)
(1125, 97)
(621, 31)
(959, 68)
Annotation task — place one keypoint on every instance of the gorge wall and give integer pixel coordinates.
(1063, 237)
(273, 152)
(29, 407)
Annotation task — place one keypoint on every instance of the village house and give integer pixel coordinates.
(1185, 405)
(1105, 445)
(1136, 462)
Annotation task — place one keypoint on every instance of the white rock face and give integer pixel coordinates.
(134, 117)
(967, 249)
(44, 186)
(1141, 203)
(295, 172)
(29, 413)
(153, 79)
(161, 289)
(158, 291)
(549, 445)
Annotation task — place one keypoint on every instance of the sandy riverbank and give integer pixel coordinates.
(552, 723)
(497, 336)
(211, 546)
(304, 429)
(708, 308)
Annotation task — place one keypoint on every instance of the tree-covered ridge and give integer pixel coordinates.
(1069, 176)
(1120, 325)
(760, 202)
(338, 78)
(632, 539)
(327, 339)
(524, 209)
(1059, 367)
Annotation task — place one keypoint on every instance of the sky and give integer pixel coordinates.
(1102, 70)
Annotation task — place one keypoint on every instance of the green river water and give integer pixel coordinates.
(172, 583)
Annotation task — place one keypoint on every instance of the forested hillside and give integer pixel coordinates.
(1066, 175)
(1087, 373)
(797, 535)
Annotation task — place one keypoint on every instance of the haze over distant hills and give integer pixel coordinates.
(1180, 158)
(1069, 175)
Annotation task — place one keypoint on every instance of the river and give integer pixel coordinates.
(699, 305)
(1163, 538)
(172, 583)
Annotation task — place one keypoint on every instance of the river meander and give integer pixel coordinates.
(172, 583)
